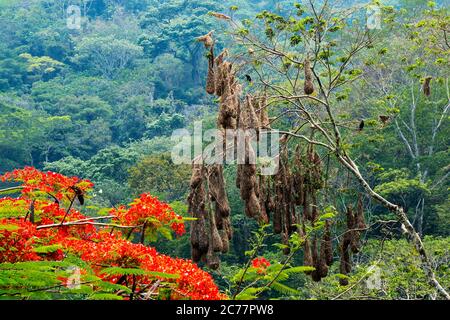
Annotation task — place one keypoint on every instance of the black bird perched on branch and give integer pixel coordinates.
(79, 194)
(361, 125)
(249, 79)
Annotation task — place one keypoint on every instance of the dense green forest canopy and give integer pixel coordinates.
(101, 102)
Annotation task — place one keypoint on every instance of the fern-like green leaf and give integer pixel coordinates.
(47, 249)
(299, 269)
(284, 289)
(113, 271)
(163, 275)
(249, 293)
(104, 296)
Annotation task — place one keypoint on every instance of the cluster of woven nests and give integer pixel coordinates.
(288, 199)
(351, 241)
(211, 231)
(208, 201)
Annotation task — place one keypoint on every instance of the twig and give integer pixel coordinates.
(247, 266)
(12, 189)
(86, 223)
(152, 290)
(68, 209)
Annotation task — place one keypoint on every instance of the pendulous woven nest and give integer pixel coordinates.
(309, 85)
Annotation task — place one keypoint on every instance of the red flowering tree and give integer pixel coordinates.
(260, 265)
(152, 215)
(43, 236)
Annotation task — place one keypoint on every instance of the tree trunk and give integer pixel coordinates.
(196, 76)
(418, 217)
(414, 237)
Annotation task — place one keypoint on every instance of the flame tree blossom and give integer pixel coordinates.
(100, 245)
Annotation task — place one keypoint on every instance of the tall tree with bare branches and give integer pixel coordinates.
(306, 60)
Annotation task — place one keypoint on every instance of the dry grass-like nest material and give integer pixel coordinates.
(208, 202)
(328, 244)
(247, 181)
(210, 80)
(315, 275)
(197, 207)
(309, 85)
(217, 191)
(260, 107)
(350, 242)
(427, 86)
(307, 256)
(207, 188)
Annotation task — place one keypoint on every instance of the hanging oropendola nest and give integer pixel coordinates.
(217, 191)
(211, 78)
(360, 220)
(197, 207)
(307, 256)
(351, 241)
(263, 112)
(427, 86)
(309, 85)
(328, 244)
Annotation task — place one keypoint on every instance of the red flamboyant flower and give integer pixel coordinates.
(10, 207)
(106, 249)
(17, 238)
(50, 183)
(148, 209)
(98, 246)
(260, 264)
